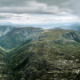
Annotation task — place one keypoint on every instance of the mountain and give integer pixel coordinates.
(65, 25)
(54, 53)
(69, 26)
(17, 36)
(12, 37)
(5, 29)
(39, 54)
(75, 27)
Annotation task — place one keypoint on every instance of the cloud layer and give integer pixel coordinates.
(31, 7)
(23, 10)
(40, 6)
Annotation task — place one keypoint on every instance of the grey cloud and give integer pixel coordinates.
(4, 17)
(41, 6)
(32, 6)
(12, 2)
(69, 6)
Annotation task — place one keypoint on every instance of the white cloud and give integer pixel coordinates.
(37, 18)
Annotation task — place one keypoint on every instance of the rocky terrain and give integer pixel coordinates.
(40, 54)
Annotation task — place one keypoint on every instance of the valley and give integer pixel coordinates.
(40, 54)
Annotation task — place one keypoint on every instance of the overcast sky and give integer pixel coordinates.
(39, 11)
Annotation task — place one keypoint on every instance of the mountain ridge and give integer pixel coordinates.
(50, 52)
(35, 53)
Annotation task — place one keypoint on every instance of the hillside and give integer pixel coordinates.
(55, 54)
(2, 53)
(18, 36)
(4, 30)
(5, 71)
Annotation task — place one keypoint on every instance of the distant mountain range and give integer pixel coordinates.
(12, 36)
(64, 25)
